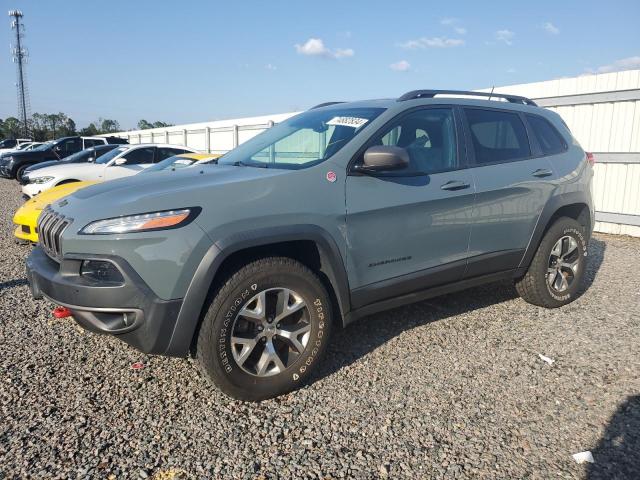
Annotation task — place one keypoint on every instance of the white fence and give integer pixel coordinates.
(603, 112)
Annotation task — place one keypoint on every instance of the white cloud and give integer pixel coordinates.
(401, 66)
(551, 28)
(433, 42)
(343, 52)
(454, 23)
(270, 66)
(505, 36)
(316, 47)
(629, 63)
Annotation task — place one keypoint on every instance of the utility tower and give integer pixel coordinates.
(19, 54)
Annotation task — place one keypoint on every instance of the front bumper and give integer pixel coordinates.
(130, 312)
(5, 172)
(27, 223)
(33, 189)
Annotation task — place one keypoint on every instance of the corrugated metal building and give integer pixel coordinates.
(603, 112)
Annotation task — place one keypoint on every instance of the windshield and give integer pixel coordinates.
(107, 157)
(78, 157)
(24, 145)
(302, 141)
(44, 146)
(175, 162)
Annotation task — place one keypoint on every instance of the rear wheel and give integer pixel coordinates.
(557, 269)
(265, 330)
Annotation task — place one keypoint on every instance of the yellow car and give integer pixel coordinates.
(27, 215)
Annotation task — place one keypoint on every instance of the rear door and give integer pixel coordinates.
(136, 160)
(409, 230)
(513, 184)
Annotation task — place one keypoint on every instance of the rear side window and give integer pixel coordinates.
(549, 139)
(497, 136)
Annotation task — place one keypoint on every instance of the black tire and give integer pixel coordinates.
(214, 350)
(20, 171)
(534, 287)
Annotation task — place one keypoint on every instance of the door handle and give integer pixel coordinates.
(542, 172)
(455, 185)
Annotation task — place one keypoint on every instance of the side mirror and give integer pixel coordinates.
(57, 148)
(381, 158)
(120, 161)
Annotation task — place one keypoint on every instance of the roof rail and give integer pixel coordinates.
(325, 104)
(432, 93)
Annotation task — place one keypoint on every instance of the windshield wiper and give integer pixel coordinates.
(240, 163)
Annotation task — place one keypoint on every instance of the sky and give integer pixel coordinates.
(192, 61)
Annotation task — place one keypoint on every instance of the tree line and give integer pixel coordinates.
(48, 126)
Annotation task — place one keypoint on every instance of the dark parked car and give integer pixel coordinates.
(87, 155)
(14, 165)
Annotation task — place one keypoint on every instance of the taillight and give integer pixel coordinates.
(591, 159)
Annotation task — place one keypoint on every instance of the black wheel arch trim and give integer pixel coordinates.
(555, 203)
(332, 264)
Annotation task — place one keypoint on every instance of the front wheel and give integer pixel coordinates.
(265, 329)
(557, 269)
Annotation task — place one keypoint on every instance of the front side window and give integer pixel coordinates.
(429, 136)
(497, 136)
(140, 156)
(304, 140)
(67, 147)
(550, 141)
(107, 157)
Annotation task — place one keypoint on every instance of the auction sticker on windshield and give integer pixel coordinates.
(354, 122)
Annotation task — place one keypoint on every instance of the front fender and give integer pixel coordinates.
(194, 300)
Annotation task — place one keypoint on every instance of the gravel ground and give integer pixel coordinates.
(452, 387)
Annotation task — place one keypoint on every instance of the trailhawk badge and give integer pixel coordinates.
(331, 176)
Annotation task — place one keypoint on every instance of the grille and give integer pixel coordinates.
(50, 228)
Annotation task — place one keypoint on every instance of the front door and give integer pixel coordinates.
(409, 230)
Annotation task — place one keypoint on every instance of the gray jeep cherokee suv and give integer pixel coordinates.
(339, 212)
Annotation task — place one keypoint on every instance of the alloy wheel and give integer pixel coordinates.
(564, 262)
(270, 332)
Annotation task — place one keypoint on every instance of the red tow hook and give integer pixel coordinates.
(61, 312)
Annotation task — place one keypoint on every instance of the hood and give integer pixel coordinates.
(166, 190)
(77, 168)
(31, 155)
(45, 198)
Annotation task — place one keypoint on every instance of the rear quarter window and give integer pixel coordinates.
(549, 139)
(497, 136)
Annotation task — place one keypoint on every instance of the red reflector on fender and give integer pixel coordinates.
(591, 158)
(61, 312)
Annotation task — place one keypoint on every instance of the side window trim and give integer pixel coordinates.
(463, 161)
(469, 141)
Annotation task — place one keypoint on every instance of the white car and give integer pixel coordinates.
(122, 161)
(11, 145)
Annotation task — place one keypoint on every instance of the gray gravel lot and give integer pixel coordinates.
(452, 387)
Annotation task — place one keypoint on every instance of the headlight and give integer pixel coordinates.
(143, 222)
(40, 179)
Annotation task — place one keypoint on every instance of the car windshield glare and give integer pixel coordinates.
(175, 162)
(304, 140)
(107, 157)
